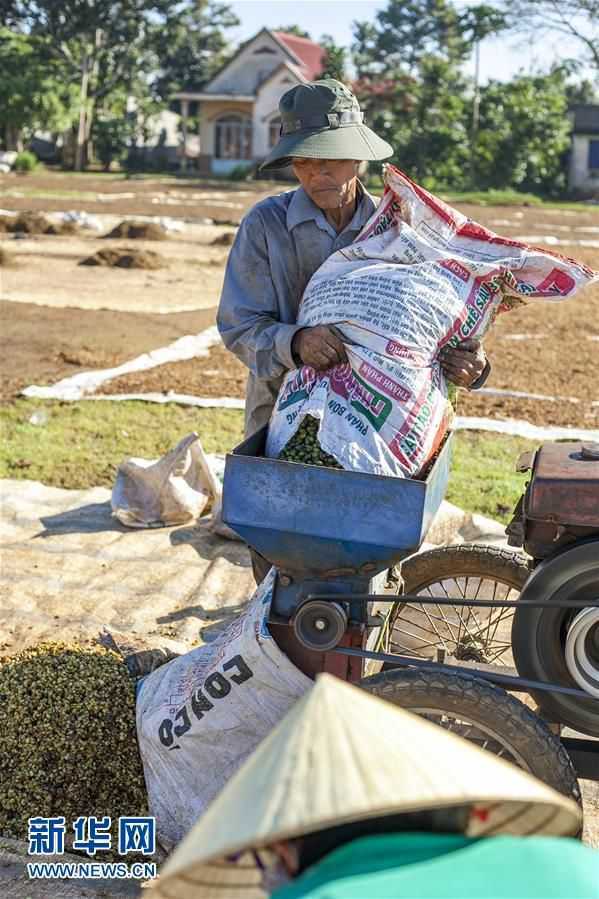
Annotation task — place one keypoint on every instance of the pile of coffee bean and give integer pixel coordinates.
(304, 446)
(68, 739)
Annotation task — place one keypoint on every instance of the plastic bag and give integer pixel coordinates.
(200, 716)
(175, 489)
(420, 276)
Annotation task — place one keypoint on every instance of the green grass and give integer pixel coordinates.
(483, 477)
(82, 444)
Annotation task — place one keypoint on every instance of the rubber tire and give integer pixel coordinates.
(478, 560)
(574, 573)
(487, 705)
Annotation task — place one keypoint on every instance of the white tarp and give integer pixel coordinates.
(87, 382)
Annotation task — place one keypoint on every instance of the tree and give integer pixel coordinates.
(334, 60)
(293, 29)
(411, 85)
(105, 47)
(406, 32)
(191, 46)
(576, 19)
(33, 93)
(524, 133)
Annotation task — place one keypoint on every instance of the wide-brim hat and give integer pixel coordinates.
(323, 120)
(341, 755)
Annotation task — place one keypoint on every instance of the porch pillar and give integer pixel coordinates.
(184, 115)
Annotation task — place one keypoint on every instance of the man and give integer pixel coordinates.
(351, 797)
(284, 239)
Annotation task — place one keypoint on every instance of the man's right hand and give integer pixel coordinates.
(318, 347)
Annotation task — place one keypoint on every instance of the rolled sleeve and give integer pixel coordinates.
(248, 313)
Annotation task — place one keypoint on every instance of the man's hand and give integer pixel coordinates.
(463, 365)
(318, 347)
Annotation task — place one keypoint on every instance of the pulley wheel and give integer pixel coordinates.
(320, 625)
(558, 645)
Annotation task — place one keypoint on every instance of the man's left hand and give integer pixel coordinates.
(464, 364)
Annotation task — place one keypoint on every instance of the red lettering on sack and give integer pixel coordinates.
(453, 266)
(557, 281)
(384, 383)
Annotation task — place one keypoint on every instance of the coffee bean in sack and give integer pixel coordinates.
(304, 446)
(68, 740)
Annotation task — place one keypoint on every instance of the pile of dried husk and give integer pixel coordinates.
(224, 240)
(138, 230)
(304, 446)
(68, 741)
(126, 257)
(34, 223)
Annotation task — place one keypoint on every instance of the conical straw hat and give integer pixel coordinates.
(342, 755)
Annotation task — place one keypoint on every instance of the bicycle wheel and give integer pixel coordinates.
(462, 634)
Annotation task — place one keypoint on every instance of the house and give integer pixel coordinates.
(238, 108)
(584, 155)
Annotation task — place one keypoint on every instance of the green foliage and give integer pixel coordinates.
(335, 61)
(425, 120)
(26, 162)
(141, 48)
(297, 30)
(523, 134)
(189, 44)
(240, 173)
(406, 32)
(33, 92)
(111, 138)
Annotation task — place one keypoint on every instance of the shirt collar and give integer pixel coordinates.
(302, 209)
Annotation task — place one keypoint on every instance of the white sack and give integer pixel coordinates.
(420, 276)
(173, 490)
(200, 716)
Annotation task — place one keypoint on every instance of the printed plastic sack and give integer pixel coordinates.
(419, 277)
(200, 716)
(175, 489)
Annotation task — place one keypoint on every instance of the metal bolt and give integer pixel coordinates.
(285, 580)
(320, 624)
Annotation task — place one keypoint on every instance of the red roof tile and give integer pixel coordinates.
(310, 54)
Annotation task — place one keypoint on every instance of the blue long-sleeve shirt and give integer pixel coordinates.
(281, 242)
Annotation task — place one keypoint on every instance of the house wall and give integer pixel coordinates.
(267, 108)
(210, 111)
(244, 74)
(580, 178)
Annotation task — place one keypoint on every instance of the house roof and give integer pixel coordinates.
(586, 118)
(310, 56)
(305, 59)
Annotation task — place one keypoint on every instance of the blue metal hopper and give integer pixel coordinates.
(313, 521)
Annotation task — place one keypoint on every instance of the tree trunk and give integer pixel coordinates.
(81, 133)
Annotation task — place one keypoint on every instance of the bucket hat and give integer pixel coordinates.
(341, 755)
(323, 120)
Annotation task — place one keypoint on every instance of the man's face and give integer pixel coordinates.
(328, 182)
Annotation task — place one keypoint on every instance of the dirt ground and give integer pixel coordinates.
(41, 345)
(550, 349)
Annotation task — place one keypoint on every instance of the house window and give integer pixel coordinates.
(594, 155)
(274, 131)
(233, 137)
